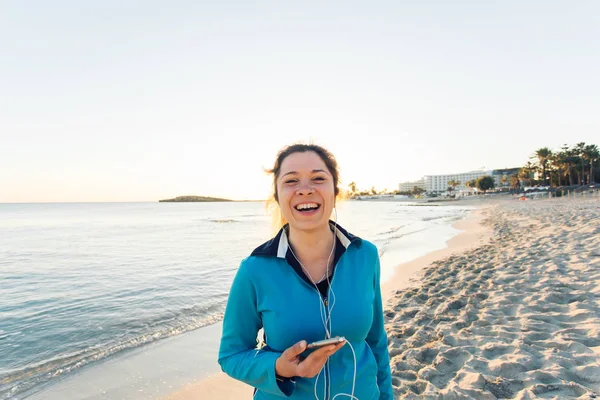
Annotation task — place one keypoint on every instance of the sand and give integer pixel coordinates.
(218, 386)
(518, 317)
(473, 233)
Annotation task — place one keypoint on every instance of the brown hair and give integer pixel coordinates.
(323, 153)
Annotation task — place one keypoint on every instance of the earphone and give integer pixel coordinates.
(325, 313)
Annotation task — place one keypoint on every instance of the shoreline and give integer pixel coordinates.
(472, 233)
(147, 372)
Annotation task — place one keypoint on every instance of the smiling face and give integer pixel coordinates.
(305, 191)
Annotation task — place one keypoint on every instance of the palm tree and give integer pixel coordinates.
(417, 190)
(564, 164)
(591, 153)
(580, 150)
(543, 156)
(526, 173)
(531, 168)
(556, 167)
(573, 162)
(561, 164)
(453, 184)
(514, 181)
(471, 184)
(352, 187)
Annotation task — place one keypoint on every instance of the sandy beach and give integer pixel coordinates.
(518, 317)
(510, 309)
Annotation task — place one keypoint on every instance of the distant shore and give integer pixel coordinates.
(206, 199)
(194, 199)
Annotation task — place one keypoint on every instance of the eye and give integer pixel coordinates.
(291, 181)
(319, 178)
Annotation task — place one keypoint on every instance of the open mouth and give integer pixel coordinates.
(307, 207)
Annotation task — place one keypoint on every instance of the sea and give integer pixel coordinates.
(83, 282)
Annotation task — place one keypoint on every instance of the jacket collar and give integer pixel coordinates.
(279, 245)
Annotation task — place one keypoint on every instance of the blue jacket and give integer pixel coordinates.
(268, 293)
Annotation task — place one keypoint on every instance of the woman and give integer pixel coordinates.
(312, 281)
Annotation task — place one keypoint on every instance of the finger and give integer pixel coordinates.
(311, 366)
(292, 352)
(322, 351)
(340, 345)
(333, 350)
(314, 365)
(318, 357)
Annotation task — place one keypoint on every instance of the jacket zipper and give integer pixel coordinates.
(326, 302)
(325, 382)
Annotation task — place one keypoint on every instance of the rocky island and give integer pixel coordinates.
(192, 199)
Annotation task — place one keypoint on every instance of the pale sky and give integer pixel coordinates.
(139, 101)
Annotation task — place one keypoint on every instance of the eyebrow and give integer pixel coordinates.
(295, 172)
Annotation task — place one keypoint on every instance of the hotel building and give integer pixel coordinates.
(409, 186)
(439, 183)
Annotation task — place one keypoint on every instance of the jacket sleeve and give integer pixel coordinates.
(378, 341)
(238, 356)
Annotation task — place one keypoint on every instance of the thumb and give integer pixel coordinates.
(291, 352)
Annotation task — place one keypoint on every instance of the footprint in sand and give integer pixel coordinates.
(559, 391)
(493, 351)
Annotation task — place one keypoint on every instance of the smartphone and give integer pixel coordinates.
(326, 342)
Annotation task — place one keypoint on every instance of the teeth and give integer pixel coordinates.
(307, 205)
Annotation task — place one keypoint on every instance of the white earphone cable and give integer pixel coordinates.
(325, 313)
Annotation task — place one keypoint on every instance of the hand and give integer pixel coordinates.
(289, 363)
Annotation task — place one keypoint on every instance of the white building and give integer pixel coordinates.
(439, 183)
(409, 186)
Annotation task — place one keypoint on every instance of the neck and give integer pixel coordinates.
(311, 246)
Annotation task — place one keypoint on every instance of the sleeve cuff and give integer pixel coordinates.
(286, 385)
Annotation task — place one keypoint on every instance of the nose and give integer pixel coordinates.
(305, 189)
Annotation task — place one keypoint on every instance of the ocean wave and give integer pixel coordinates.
(391, 230)
(420, 205)
(400, 236)
(433, 218)
(20, 383)
(383, 247)
(216, 220)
